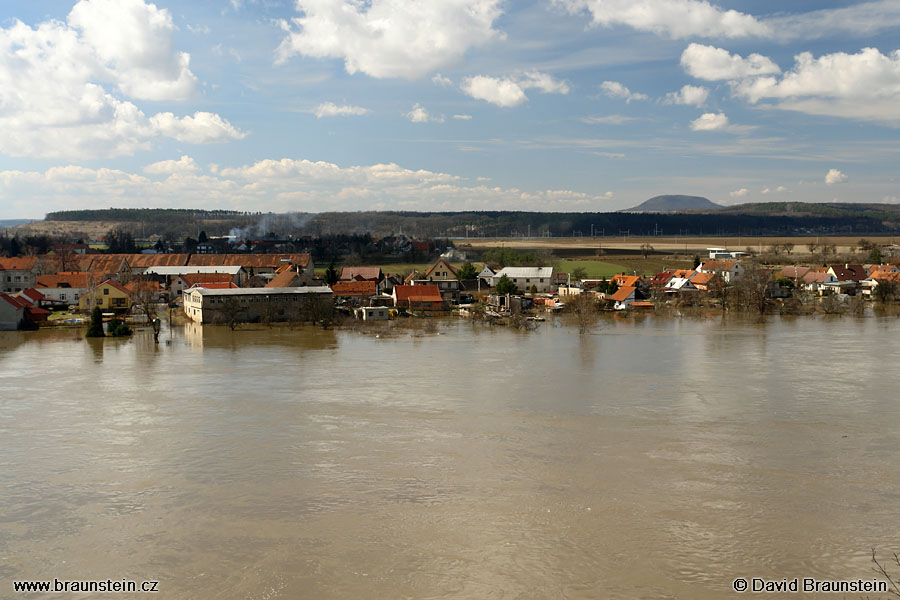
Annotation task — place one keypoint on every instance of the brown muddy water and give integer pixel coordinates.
(655, 458)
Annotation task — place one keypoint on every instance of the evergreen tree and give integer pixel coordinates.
(506, 286)
(95, 329)
(331, 276)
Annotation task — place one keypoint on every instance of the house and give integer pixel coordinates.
(445, 276)
(66, 286)
(679, 284)
(660, 279)
(17, 312)
(848, 278)
(868, 285)
(418, 297)
(881, 268)
(17, 274)
(623, 297)
(286, 278)
(623, 280)
(793, 273)
(372, 313)
(486, 275)
(818, 282)
(524, 278)
(189, 280)
(109, 296)
(105, 266)
(12, 312)
(354, 292)
(717, 253)
(258, 264)
(730, 271)
(169, 275)
(361, 274)
(704, 281)
(204, 305)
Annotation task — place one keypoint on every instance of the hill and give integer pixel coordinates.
(674, 203)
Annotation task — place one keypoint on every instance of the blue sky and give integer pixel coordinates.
(547, 105)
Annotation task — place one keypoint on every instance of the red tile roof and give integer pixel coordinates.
(257, 261)
(33, 294)
(621, 294)
(361, 273)
(418, 293)
(849, 272)
(66, 279)
(17, 302)
(192, 279)
(284, 279)
(143, 261)
(21, 263)
(217, 285)
(354, 288)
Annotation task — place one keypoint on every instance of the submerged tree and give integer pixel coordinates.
(585, 310)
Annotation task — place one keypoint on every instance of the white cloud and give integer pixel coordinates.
(201, 128)
(863, 86)
(781, 188)
(283, 185)
(672, 18)
(834, 176)
(62, 85)
(502, 92)
(765, 191)
(510, 91)
(185, 164)
(717, 122)
(330, 109)
(614, 89)
(419, 114)
(442, 81)
(133, 40)
(739, 193)
(690, 95)
(463, 117)
(715, 64)
(389, 38)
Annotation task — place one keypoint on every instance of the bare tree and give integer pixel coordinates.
(646, 249)
(754, 286)
(230, 312)
(145, 297)
(881, 569)
(584, 309)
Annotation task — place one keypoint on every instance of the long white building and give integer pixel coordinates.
(525, 277)
(252, 304)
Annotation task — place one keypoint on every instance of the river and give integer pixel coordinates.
(653, 458)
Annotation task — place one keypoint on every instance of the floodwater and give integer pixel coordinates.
(655, 458)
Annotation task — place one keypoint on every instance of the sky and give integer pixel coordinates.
(450, 105)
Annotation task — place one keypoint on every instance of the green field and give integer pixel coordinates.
(594, 269)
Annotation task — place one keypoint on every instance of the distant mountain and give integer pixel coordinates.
(674, 203)
(4, 223)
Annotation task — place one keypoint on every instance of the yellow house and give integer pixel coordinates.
(108, 295)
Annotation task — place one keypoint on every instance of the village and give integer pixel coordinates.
(237, 288)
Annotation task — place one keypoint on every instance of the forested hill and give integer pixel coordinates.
(752, 219)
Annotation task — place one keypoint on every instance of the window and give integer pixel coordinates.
(62, 297)
(106, 291)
